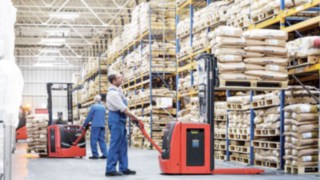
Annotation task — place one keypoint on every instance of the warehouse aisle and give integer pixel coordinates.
(143, 161)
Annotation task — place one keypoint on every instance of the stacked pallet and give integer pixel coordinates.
(268, 52)
(191, 111)
(238, 14)
(220, 130)
(154, 17)
(267, 130)
(161, 15)
(183, 32)
(263, 10)
(143, 96)
(243, 13)
(301, 135)
(304, 51)
(186, 86)
(102, 84)
(37, 133)
(255, 58)
(239, 127)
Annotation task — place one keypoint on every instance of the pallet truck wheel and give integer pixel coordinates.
(43, 155)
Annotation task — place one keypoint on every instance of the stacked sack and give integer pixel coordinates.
(304, 47)
(301, 135)
(37, 133)
(227, 44)
(191, 111)
(266, 50)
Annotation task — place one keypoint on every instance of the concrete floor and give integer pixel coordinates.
(30, 167)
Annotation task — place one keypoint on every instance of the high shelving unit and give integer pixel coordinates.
(291, 20)
(152, 77)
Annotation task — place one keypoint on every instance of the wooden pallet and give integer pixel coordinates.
(268, 164)
(220, 147)
(265, 103)
(238, 159)
(220, 117)
(301, 169)
(239, 149)
(220, 136)
(266, 132)
(184, 33)
(253, 84)
(200, 46)
(239, 137)
(301, 62)
(237, 106)
(220, 157)
(239, 131)
(264, 16)
(266, 145)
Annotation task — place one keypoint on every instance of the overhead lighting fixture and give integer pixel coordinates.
(64, 15)
(43, 65)
(55, 31)
(50, 51)
(53, 40)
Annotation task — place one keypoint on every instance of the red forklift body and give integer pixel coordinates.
(186, 149)
(21, 133)
(61, 140)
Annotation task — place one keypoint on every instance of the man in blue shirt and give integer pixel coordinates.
(97, 115)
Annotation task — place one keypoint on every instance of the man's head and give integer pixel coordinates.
(97, 99)
(115, 79)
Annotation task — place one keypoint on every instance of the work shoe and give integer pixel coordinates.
(93, 157)
(114, 173)
(103, 157)
(129, 172)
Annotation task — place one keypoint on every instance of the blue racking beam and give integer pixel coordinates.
(252, 116)
(282, 139)
(227, 133)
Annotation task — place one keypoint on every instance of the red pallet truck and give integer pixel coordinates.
(188, 148)
(21, 131)
(64, 141)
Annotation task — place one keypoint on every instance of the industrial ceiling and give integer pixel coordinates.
(64, 33)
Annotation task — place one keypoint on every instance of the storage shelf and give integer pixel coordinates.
(285, 13)
(143, 36)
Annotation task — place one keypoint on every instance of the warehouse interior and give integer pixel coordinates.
(220, 88)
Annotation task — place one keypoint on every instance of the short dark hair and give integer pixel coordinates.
(112, 77)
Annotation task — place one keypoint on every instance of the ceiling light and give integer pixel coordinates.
(50, 51)
(53, 40)
(64, 15)
(43, 64)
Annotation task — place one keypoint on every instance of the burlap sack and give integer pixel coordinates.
(237, 76)
(267, 50)
(266, 34)
(228, 31)
(229, 51)
(269, 75)
(307, 128)
(234, 67)
(305, 116)
(230, 41)
(229, 58)
(267, 60)
(254, 42)
(302, 108)
(252, 54)
(274, 67)
(275, 42)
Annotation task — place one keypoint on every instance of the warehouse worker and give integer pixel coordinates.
(118, 112)
(97, 115)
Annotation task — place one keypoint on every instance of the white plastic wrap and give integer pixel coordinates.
(11, 88)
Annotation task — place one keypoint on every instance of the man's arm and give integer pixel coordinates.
(131, 115)
(89, 117)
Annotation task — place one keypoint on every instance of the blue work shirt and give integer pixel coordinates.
(97, 115)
